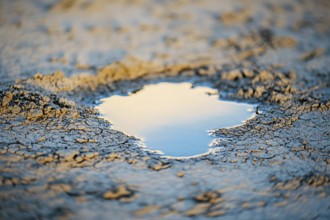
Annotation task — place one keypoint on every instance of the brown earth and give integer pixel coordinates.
(59, 160)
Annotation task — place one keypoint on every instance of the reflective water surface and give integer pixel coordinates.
(173, 118)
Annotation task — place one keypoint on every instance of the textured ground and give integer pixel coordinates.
(59, 160)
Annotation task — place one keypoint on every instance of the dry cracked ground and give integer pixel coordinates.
(59, 160)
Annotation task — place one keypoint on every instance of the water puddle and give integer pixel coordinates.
(173, 118)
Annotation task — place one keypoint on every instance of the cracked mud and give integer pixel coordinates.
(58, 159)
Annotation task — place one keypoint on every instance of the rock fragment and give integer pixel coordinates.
(146, 210)
(119, 192)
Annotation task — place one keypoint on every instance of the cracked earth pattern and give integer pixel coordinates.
(59, 160)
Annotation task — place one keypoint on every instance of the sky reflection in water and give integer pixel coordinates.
(173, 117)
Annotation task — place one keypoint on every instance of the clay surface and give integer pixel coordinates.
(58, 159)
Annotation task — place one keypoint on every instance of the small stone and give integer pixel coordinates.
(38, 76)
(220, 43)
(67, 154)
(242, 154)
(258, 91)
(160, 166)
(90, 155)
(34, 113)
(249, 93)
(79, 159)
(297, 149)
(312, 54)
(246, 205)
(232, 75)
(60, 187)
(42, 139)
(7, 98)
(146, 210)
(322, 194)
(146, 158)
(180, 174)
(265, 76)
(216, 213)
(198, 209)
(240, 92)
(83, 66)
(112, 157)
(247, 73)
(44, 160)
(121, 191)
(275, 163)
(277, 97)
(286, 42)
(283, 203)
(81, 199)
(318, 180)
(18, 86)
(261, 203)
(63, 102)
(16, 109)
(82, 140)
(128, 199)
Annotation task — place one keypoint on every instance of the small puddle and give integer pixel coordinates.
(174, 118)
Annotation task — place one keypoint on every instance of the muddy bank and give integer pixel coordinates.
(58, 159)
